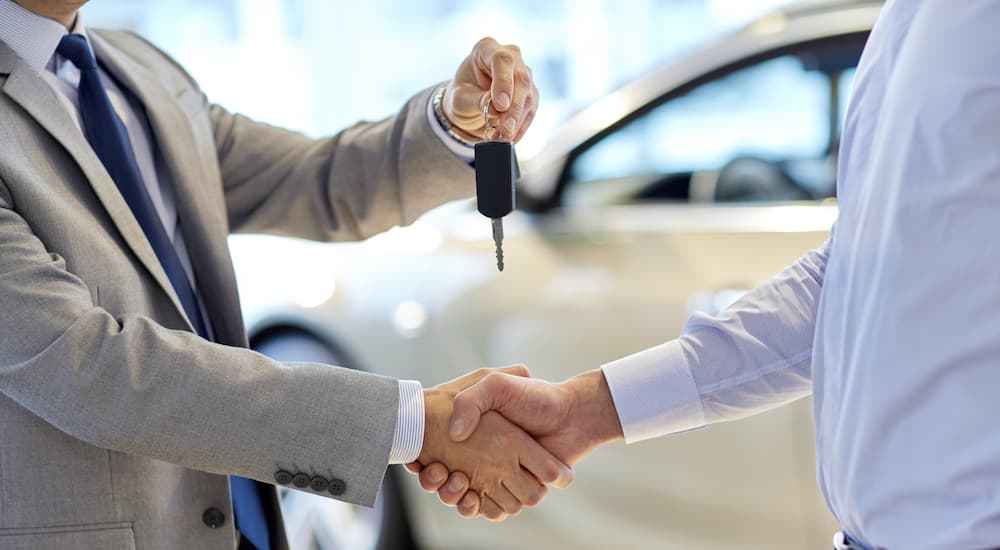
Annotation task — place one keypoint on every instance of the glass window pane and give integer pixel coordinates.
(776, 112)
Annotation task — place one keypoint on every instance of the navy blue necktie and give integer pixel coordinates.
(109, 139)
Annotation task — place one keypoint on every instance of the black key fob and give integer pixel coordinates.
(496, 173)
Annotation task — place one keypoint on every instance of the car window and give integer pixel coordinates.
(758, 133)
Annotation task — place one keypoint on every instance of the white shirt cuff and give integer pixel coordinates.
(409, 437)
(462, 151)
(654, 393)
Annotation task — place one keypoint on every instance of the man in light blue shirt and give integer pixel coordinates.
(893, 325)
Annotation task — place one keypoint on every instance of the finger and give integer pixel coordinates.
(510, 120)
(453, 491)
(530, 107)
(491, 510)
(490, 393)
(467, 106)
(514, 370)
(526, 488)
(467, 380)
(468, 507)
(510, 505)
(500, 61)
(525, 124)
(433, 477)
(414, 467)
(546, 468)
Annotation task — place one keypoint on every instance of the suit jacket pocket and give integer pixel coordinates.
(98, 536)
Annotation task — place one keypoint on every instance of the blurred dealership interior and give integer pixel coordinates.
(361, 60)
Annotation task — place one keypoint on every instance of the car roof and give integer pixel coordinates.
(796, 23)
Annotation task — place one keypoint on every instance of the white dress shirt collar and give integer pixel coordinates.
(32, 37)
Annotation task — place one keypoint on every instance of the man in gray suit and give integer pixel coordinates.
(133, 416)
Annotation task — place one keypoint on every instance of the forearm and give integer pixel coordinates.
(362, 181)
(359, 182)
(130, 384)
(756, 355)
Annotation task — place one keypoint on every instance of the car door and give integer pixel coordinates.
(681, 208)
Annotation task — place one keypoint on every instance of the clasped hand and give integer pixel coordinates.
(508, 436)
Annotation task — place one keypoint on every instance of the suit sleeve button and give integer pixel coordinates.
(319, 484)
(282, 477)
(337, 487)
(213, 517)
(301, 481)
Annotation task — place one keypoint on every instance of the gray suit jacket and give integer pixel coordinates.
(118, 424)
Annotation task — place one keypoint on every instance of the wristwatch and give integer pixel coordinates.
(437, 104)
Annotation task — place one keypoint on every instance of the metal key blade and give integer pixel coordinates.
(498, 240)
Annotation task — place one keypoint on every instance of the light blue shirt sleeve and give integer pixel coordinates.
(755, 356)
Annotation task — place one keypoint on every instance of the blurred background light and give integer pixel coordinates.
(409, 318)
(314, 290)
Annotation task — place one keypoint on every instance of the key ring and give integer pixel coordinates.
(487, 98)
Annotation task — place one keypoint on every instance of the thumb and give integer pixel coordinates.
(490, 393)
(516, 370)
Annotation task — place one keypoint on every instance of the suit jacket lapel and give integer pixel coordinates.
(205, 230)
(27, 88)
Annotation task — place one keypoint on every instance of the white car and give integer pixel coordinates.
(674, 194)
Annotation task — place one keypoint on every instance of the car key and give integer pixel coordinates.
(496, 172)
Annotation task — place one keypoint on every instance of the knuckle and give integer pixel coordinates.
(459, 405)
(492, 381)
(503, 56)
(485, 42)
(549, 408)
(425, 482)
(550, 472)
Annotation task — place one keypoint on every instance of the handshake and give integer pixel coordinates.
(495, 439)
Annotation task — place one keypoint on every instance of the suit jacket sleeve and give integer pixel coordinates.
(359, 182)
(362, 181)
(131, 385)
(355, 184)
